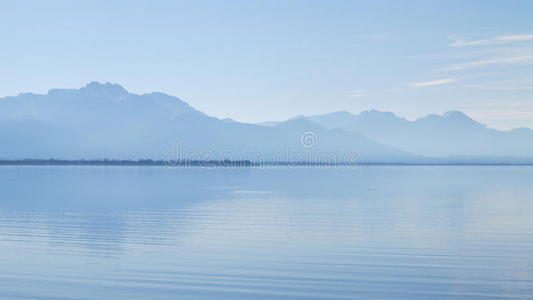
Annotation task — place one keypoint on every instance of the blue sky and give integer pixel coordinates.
(270, 60)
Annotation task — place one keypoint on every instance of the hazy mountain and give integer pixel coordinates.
(453, 133)
(345, 142)
(106, 121)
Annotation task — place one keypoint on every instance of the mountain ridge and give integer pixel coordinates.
(449, 134)
(104, 120)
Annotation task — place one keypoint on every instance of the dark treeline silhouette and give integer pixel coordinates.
(124, 162)
(231, 163)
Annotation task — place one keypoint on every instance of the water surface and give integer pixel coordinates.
(392, 232)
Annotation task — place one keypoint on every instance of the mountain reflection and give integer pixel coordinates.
(416, 231)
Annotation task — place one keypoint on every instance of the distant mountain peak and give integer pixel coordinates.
(107, 89)
(456, 115)
(341, 113)
(454, 118)
(96, 85)
(374, 113)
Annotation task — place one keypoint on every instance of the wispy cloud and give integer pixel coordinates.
(499, 40)
(515, 85)
(487, 62)
(357, 93)
(432, 83)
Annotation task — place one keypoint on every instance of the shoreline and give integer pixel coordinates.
(225, 164)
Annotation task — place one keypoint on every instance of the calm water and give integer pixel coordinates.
(303, 233)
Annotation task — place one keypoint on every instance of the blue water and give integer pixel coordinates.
(278, 233)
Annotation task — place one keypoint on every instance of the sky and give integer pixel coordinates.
(255, 61)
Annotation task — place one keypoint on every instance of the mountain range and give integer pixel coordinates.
(450, 134)
(103, 120)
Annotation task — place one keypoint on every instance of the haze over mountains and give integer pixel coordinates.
(106, 121)
(453, 133)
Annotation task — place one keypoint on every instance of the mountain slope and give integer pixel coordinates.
(453, 133)
(343, 143)
(106, 121)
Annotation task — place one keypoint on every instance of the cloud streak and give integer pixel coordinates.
(487, 62)
(499, 40)
(357, 93)
(516, 85)
(432, 83)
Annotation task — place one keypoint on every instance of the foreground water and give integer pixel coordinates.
(280, 233)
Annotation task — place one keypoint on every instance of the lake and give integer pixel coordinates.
(379, 232)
